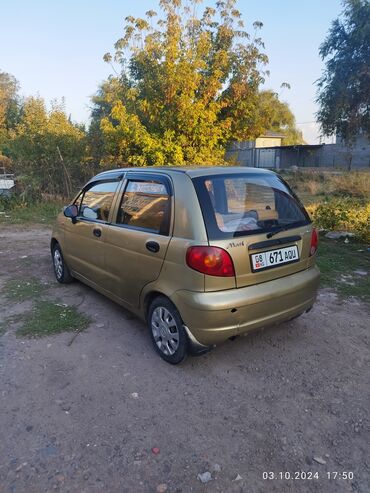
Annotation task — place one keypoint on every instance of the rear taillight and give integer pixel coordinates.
(209, 260)
(314, 241)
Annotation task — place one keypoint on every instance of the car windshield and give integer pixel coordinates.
(248, 203)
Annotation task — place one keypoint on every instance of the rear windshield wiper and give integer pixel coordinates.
(279, 230)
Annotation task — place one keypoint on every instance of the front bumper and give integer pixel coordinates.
(213, 317)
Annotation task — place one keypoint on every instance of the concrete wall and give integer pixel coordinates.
(336, 155)
(325, 155)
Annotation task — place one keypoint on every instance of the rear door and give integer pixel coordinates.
(85, 238)
(259, 221)
(137, 239)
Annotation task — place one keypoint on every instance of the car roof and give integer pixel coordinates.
(192, 171)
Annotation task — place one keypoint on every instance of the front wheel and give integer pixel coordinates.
(167, 332)
(61, 270)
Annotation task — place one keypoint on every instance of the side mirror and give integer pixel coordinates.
(72, 212)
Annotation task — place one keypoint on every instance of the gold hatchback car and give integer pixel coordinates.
(202, 254)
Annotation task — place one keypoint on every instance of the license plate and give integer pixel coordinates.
(273, 258)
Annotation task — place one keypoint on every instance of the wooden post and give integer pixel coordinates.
(67, 178)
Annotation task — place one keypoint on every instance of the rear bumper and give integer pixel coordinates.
(213, 317)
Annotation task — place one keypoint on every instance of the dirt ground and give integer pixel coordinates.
(84, 416)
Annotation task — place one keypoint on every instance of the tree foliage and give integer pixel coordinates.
(187, 85)
(344, 88)
(9, 106)
(48, 149)
(276, 115)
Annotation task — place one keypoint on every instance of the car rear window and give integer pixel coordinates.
(246, 203)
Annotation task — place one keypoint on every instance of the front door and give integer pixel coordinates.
(86, 237)
(138, 237)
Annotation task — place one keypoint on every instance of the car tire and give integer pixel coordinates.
(166, 330)
(61, 270)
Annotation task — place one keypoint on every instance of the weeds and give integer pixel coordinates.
(14, 211)
(344, 214)
(20, 290)
(340, 264)
(355, 184)
(48, 318)
(335, 200)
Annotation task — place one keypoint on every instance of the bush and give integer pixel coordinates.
(343, 214)
(18, 210)
(8, 202)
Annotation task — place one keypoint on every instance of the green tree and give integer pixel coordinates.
(103, 101)
(344, 88)
(187, 86)
(9, 107)
(276, 115)
(47, 149)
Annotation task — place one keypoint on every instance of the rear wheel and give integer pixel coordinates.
(167, 332)
(61, 270)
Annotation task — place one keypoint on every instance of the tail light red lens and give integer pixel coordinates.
(213, 261)
(314, 241)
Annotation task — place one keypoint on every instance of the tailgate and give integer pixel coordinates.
(241, 250)
(258, 220)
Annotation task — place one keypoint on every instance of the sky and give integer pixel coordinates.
(55, 48)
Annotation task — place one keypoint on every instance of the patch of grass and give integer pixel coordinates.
(20, 289)
(308, 199)
(318, 182)
(48, 318)
(339, 261)
(39, 212)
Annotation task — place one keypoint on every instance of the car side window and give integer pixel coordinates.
(78, 200)
(97, 200)
(145, 205)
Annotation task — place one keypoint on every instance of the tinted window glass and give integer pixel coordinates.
(78, 200)
(145, 205)
(97, 200)
(234, 205)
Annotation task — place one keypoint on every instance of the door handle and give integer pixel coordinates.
(152, 246)
(97, 232)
